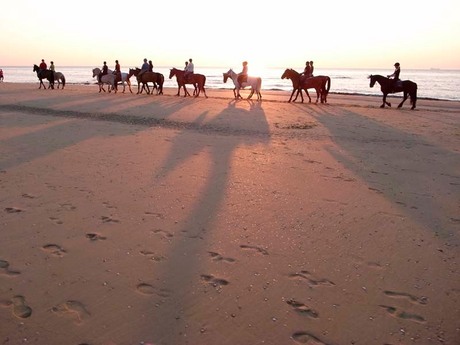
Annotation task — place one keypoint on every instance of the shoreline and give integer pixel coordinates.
(151, 219)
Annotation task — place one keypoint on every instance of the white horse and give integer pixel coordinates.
(124, 79)
(60, 79)
(254, 82)
(109, 79)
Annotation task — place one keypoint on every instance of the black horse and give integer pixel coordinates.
(391, 86)
(44, 74)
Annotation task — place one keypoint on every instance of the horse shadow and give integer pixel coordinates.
(394, 164)
(217, 149)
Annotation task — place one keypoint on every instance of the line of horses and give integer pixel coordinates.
(321, 84)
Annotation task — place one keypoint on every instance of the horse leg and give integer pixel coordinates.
(251, 93)
(292, 94)
(385, 101)
(404, 99)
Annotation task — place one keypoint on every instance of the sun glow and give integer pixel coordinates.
(281, 34)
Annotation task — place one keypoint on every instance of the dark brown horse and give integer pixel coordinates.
(321, 84)
(409, 88)
(157, 79)
(196, 79)
(44, 74)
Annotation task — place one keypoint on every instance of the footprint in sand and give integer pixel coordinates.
(254, 248)
(401, 314)
(310, 279)
(106, 219)
(4, 269)
(19, 306)
(54, 249)
(414, 299)
(28, 196)
(147, 289)
(307, 338)
(163, 233)
(303, 309)
(13, 210)
(218, 257)
(68, 206)
(72, 309)
(216, 282)
(153, 256)
(56, 220)
(95, 237)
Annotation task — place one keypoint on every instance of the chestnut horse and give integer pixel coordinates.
(321, 84)
(148, 77)
(196, 79)
(388, 86)
(44, 74)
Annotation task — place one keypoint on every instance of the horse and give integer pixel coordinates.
(44, 74)
(388, 86)
(254, 82)
(321, 84)
(108, 78)
(60, 78)
(196, 79)
(148, 77)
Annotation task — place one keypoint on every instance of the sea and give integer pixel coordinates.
(439, 84)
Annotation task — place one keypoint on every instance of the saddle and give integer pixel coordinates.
(397, 86)
(188, 78)
(242, 79)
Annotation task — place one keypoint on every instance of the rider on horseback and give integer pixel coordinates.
(144, 68)
(395, 76)
(117, 72)
(42, 67)
(105, 70)
(189, 69)
(52, 66)
(243, 75)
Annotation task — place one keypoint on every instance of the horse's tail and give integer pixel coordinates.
(328, 82)
(259, 84)
(63, 80)
(160, 83)
(413, 95)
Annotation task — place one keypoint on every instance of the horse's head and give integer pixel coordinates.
(36, 68)
(172, 72)
(225, 77)
(372, 80)
(286, 74)
(96, 72)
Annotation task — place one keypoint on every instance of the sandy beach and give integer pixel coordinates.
(143, 219)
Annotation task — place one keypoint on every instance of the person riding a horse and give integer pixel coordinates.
(243, 75)
(144, 68)
(395, 76)
(189, 70)
(52, 68)
(105, 71)
(42, 66)
(117, 72)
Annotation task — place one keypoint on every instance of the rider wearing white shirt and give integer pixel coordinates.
(189, 69)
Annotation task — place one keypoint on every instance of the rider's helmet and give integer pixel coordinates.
(245, 63)
(397, 64)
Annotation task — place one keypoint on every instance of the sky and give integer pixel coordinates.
(218, 33)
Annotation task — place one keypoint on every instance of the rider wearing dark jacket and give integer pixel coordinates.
(395, 75)
(105, 70)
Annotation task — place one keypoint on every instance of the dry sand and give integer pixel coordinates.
(129, 219)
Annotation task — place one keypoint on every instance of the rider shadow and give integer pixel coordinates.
(394, 164)
(206, 157)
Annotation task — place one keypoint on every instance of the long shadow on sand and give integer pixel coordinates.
(181, 271)
(417, 176)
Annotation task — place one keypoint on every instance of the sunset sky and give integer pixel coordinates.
(342, 34)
